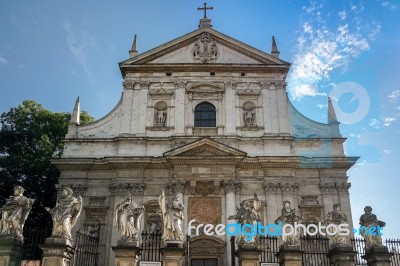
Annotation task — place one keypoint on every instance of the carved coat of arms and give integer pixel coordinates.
(205, 49)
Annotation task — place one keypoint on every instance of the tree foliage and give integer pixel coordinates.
(30, 136)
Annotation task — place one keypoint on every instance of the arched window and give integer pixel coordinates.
(204, 115)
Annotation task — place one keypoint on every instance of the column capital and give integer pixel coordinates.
(328, 187)
(128, 85)
(180, 84)
(289, 187)
(123, 188)
(270, 187)
(343, 186)
(176, 187)
(232, 185)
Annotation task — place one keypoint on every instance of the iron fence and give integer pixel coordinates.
(315, 250)
(86, 246)
(33, 237)
(150, 246)
(358, 245)
(393, 246)
(269, 247)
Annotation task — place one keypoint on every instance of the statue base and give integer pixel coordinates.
(10, 250)
(342, 256)
(173, 244)
(57, 251)
(127, 243)
(290, 255)
(378, 256)
(172, 256)
(248, 256)
(126, 255)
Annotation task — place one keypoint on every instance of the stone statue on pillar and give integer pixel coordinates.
(172, 214)
(247, 213)
(127, 221)
(371, 228)
(65, 213)
(288, 216)
(14, 213)
(336, 217)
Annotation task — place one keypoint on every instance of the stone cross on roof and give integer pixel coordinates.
(205, 8)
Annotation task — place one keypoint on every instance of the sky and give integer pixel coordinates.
(53, 51)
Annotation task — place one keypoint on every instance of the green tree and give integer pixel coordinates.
(30, 136)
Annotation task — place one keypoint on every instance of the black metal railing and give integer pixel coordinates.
(86, 246)
(269, 247)
(315, 250)
(393, 246)
(150, 246)
(358, 245)
(33, 237)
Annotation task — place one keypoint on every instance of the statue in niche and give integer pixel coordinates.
(369, 220)
(172, 213)
(161, 117)
(127, 219)
(247, 213)
(336, 217)
(65, 213)
(14, 213)
(249, 118)
(154, 223)
(288, 216)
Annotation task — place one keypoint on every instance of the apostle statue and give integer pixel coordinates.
(172, 213)
(336, 217)
(161, 117)
(370, 228)
(288, 216)
(247, 214)
(14, 213)
(249, 118)
(127, 219)
(65, 213)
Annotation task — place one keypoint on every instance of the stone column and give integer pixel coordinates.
(342, 256)
(57, 252)
(378, 256)
(327, 191)
(126, 255)
(344, 200)
(231, 186)
(267, 108)
(248, 257)
(180, 107)
(10, 251)
(290, 256)
(270, 190)
(172, 256)
(230, 112)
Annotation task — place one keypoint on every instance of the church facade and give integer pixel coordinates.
(205, 117)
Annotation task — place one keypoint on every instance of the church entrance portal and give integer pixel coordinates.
(206, 251)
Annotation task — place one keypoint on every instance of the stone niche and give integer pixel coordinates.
(311, 209)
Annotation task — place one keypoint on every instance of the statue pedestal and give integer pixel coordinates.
(378, 256)
(248, 257)
(10, 251)
(172, 256)
(342, 256)
(126, 255)
(57, 251)
(290, 256)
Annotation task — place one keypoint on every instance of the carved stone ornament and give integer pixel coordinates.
(327, 187)
(343, 186)
(123, 188)
(270, 187)
(205, 210)
(230, 84)
(176, 187)
(205, 50)
(129, 85)
(79, 189)
(180, 84)
(232, 185)
(144, 85)
(205, 187)
(289, 187)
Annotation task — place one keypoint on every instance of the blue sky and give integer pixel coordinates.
(53, 51)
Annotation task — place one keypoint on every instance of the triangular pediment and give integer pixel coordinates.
(205, 148)
(204, 46)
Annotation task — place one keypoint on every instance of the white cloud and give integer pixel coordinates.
(322, 106)
(80, 44)
(322, 49)
(394, 95)
(374, 123)
(387, 121)
(387, 151)
(3, 61)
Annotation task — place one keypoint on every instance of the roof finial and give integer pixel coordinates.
(75, 116)
(274, 48)
(205, 22)
(331, 113)
(133, 52)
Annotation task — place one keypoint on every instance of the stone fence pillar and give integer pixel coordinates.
(378, 256)
(57, 251)
(342, 256)
(290, 256)
(10, 251)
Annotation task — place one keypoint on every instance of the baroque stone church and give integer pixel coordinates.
(205, 117)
